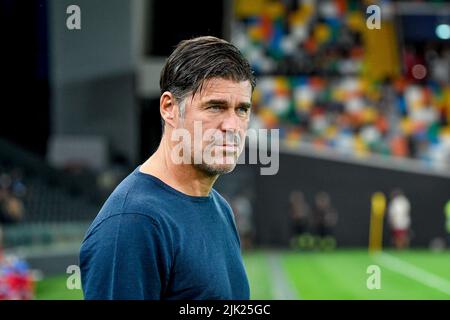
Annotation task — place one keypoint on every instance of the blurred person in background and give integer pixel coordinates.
(399, 219)
(12, 190)
(325, 217)
(447, 221)
(300, 214)
(243, 212)
(18, 187)
(11, 207)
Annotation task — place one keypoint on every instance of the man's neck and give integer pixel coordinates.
(182, 177)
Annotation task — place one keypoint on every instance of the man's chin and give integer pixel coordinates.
(216, 169)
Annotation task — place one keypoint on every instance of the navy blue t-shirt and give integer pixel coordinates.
(150, 241)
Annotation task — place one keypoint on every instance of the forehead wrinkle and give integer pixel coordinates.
(216, 84)
(222, 89)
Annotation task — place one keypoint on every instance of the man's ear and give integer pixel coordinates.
(168, 109)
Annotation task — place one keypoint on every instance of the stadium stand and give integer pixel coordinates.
(321, 83)
(51, 205)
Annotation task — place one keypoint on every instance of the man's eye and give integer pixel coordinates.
(215, 108)
(243, 110)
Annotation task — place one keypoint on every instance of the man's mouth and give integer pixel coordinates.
(228, 147)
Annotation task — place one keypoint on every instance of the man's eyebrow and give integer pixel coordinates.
(247, 105)
(225, 102)
(215, 102)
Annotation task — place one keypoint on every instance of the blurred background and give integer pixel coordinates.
(363, 114)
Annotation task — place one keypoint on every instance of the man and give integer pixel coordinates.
(165, 233)
(399, 218)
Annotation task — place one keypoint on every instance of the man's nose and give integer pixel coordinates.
(230, 122)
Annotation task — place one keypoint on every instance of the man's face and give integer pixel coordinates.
(217, 120)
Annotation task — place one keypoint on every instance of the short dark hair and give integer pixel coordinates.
(196, 60)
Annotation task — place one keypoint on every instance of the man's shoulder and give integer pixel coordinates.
(133, 196)
(141, 191)
(220, 199)
(224, 205)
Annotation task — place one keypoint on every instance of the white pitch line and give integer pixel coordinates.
(281, 288)
(411, 271)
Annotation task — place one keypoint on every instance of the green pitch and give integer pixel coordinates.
(55, 288)
(341, 274)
